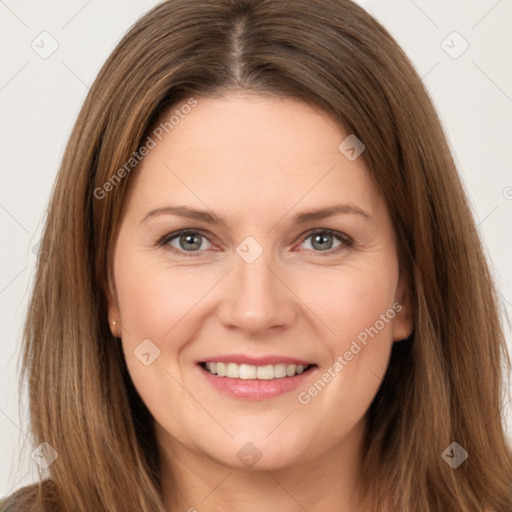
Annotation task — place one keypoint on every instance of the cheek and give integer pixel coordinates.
(153, 298)
(160, 303)
(348, 300)
(355, 312)
(155, 304)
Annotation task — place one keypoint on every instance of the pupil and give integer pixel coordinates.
(322, 238)
(185, 239)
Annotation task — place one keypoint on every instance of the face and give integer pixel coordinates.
(250, 242)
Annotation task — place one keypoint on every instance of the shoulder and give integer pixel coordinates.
(37, 497)
(22, 500)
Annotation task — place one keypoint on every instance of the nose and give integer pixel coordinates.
(256, 297)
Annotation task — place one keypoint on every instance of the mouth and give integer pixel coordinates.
(252, 372)
(252, 382)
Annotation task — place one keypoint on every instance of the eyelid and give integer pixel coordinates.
(164, 241)
(346, 240)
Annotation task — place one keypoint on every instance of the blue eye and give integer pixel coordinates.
(190, 242)
(323, 241)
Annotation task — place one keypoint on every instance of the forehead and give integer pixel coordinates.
(247, 123)
(251, 151)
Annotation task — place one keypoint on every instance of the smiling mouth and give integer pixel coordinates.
(247, 371)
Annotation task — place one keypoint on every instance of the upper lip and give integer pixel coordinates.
(255, 361)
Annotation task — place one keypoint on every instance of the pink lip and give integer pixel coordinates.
(254, 361)
(255, 389)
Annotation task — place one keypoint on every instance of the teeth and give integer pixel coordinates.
(265, 372)
(247, 371)
(279, 371)
(232, 371)
(221, 369)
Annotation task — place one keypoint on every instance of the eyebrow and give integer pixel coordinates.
(300, 218)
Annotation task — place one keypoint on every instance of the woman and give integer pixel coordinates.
(329, 341)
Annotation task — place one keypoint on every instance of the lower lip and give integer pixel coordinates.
(256, 389)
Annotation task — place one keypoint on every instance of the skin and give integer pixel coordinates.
(256, 162)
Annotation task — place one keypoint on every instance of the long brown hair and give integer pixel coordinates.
(444, 384)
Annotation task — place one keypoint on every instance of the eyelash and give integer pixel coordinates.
(346, 241)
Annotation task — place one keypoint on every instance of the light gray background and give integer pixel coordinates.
(40, 99)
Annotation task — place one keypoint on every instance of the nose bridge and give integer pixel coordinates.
(256, 299)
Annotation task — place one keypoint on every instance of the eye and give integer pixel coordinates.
(185, 242)
(191, 242)
(322, 241)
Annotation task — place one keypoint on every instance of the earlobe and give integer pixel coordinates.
(114, 329)
(403, 325)
(113, 312)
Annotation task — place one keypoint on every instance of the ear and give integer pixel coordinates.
(404, 319)
(113, 309)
